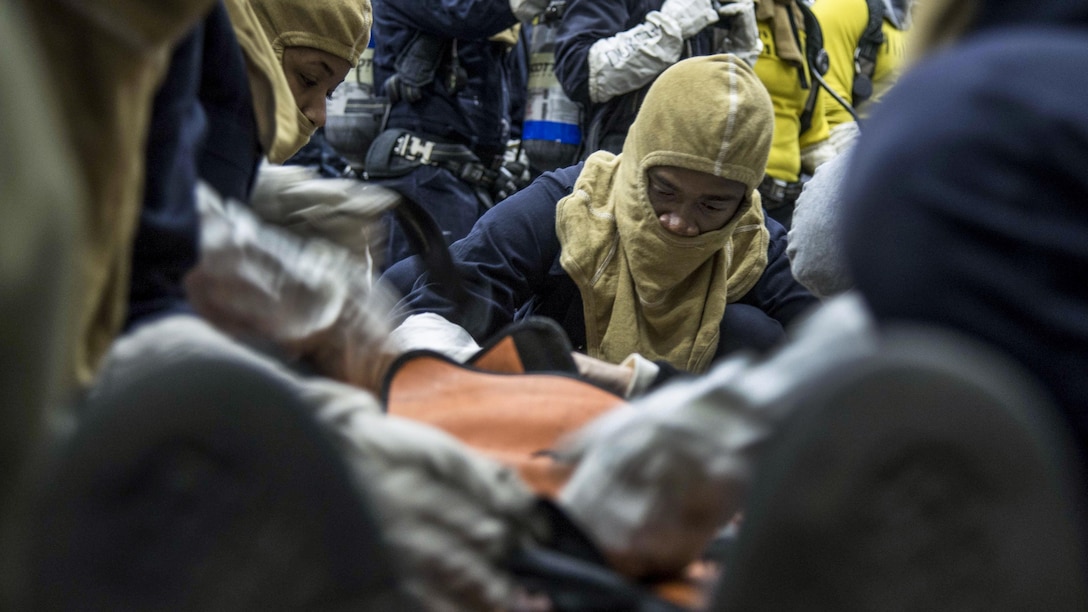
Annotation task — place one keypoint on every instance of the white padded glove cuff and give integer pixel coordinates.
(643, 371)
(630, 59)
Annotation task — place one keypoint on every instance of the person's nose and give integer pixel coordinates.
(679, 221)
(315, 111)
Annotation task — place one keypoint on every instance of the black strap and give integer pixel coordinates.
(427, 241)
(815, 55)
(872, 38)
(553, 13)
(417, 67)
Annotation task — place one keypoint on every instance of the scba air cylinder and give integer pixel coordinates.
(354, 114)
(550, 134)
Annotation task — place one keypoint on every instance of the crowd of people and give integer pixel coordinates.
(821, 255)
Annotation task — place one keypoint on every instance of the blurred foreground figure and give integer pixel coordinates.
(105, 60)
(975, 219)
(41, 208)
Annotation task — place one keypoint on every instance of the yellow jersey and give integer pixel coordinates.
(843, 22)
(783, 81)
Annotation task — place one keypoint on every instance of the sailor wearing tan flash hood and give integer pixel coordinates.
(297, 51)
(659, 257)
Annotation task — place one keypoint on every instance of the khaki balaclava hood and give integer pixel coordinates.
(264, 29)
(646, 290)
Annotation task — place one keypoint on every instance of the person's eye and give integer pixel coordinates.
(661, 190)
(715, 205)
(307, 81)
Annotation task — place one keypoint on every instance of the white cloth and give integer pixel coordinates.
(433, 332)
(656, 479)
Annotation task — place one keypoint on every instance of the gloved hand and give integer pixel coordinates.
(615, 378)
(526, 10)
(742, 35)
(656, 479)
(450, 516)
(345, 211)
(628, 379)
(309, 298)
(691, 15)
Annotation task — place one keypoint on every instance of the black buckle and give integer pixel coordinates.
(779, 191)
(474, 173)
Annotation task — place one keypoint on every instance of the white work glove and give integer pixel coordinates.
(656, 479)
(843, 136)
(741, 38)
(526, 10)
(691, 15)
(309, 298)
(450, 516)
(345, 211)
(630, 59)
(629, 379)
(815, 155)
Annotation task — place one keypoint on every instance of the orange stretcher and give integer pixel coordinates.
(509, 410)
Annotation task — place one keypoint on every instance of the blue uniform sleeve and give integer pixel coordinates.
(584, 23)
(504, 261)
(777, 292)
(461, 19)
